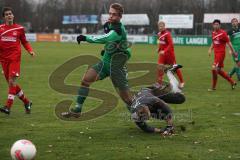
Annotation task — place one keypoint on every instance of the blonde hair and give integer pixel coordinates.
(161, 22)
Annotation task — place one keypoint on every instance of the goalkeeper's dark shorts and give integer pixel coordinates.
(116, 70)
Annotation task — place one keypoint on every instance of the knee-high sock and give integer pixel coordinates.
(20, 94)
(231, 73)
(174, 82)
(238, 72)
(82, 95)
(214, 79)
(160, 74)
(11, 96)
(225, 76)
(180, 77)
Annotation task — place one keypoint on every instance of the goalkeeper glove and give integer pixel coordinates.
(168, 130)
(81, 38)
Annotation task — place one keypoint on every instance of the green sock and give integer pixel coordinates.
(231, 73)
(238, 72)
(82, 95)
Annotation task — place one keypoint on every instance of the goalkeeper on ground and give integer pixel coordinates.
(152, 102)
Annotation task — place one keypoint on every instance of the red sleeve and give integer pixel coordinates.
(24, 42)
(169, 42)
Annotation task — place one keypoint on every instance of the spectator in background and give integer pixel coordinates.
(78, 30)
(84, 30)
(46, 30)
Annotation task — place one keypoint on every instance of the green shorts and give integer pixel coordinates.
(115, 69)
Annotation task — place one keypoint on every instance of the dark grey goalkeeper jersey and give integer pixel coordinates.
(156, 106)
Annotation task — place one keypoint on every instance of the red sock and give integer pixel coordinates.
(21, 95)
(225, 76)
(160, 76)
(180, 77)
(11, 96)
(214, 79)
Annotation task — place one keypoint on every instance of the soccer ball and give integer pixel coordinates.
(23, 150)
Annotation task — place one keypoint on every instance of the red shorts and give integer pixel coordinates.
(219, 60)
(167, 59)
(11, 69)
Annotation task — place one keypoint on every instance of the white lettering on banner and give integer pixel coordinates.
(137, 38)
(31, 37)
(177, 20)
(178, 40)
(199, 41)
(68, 37)
(131, 38)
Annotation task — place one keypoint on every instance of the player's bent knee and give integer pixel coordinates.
(85, 83)
(216, 68)
(12, 81)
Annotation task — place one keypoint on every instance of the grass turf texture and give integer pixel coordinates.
(211, 119)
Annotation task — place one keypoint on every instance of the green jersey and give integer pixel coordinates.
(234, 35)
(116, 35)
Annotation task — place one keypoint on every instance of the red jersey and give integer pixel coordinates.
(219, 39)
(11, 38)
(165, 42)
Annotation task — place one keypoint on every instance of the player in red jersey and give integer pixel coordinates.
(12, 36)
(166, 53)
(219, 41)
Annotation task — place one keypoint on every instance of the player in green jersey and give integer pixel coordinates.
(234, 35)
(114, 57)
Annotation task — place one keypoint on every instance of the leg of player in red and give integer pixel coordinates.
(180, 77)
(218, 69)
(224, 74)
(214, 79)
(160, 69)
(11, 73)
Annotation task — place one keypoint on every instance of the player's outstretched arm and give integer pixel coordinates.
(146, 128)
(109, 37)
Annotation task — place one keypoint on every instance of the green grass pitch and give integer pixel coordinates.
(211, 119)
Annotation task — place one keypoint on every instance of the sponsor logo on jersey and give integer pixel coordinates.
(216, 42)
(8, 39)
(14, 33)
(162, 42)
